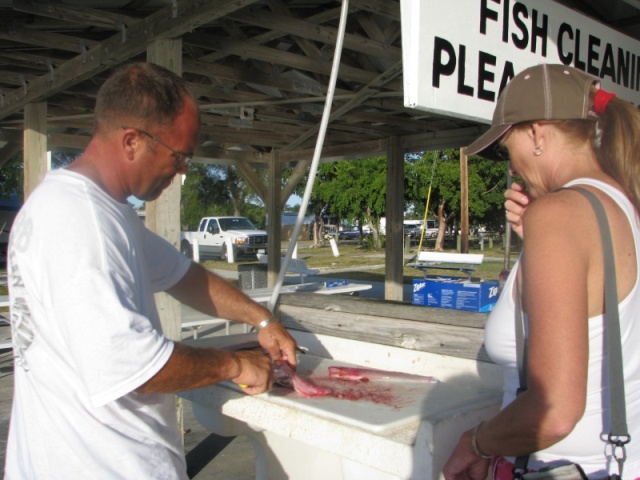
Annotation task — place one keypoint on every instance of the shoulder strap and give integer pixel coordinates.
(612, 320)
(619, 435)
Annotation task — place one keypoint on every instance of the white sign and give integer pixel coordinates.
(458, 55)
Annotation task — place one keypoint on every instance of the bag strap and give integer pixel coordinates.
(619, 434)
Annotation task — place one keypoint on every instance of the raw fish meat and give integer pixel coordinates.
(366, 374)
(287, 377)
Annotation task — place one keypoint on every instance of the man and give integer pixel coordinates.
(95, 376)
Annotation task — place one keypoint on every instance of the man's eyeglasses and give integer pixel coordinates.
(182, 158)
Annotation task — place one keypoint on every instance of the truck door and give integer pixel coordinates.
(209, 237)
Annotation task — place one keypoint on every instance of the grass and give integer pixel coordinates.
(369, 265)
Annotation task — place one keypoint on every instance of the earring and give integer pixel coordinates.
(537, 151)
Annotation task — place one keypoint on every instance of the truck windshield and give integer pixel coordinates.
(236, 224)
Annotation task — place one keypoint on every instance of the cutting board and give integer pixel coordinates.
(377, 405)
(381, 405)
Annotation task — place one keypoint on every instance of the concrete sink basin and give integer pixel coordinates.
(394, 430)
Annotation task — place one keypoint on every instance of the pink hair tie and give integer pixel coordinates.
(601, 99)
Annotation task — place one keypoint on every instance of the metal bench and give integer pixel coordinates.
(463, 262)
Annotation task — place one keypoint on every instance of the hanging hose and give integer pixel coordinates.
(316, 155)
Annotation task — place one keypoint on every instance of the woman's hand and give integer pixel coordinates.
(515, 204)
(464, 463)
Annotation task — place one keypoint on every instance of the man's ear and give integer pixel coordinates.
(132, 144)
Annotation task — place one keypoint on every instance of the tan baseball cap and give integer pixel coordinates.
(543, 92)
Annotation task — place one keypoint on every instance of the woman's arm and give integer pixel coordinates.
(556, 261)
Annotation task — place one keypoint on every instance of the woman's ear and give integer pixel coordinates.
(538, 132)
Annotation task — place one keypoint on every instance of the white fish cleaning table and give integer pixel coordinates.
(396, 430)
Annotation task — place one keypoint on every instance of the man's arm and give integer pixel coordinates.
(191, 367)
(210, 294)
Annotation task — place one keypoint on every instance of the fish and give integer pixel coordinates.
(285, 375)
(354, 374)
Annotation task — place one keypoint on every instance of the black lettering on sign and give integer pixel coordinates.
(486, 76)
(624, 58)
(487, 14)
(519, 11)
(539, 31)
(593, 55)
(608, 68)
(505, 21)
(578, 62)
(507, 75)
(442, 48)
(564, 54)
(462, 88)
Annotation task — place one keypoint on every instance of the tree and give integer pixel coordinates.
(211, 190)
(487, 182)
(355, 189)
(12, 172)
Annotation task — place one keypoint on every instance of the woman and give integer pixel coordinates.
(560, 129)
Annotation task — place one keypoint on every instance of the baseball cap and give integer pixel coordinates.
(543, 92)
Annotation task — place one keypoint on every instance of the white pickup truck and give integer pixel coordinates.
(212, 235)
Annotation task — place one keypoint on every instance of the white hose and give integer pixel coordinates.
(316, 155)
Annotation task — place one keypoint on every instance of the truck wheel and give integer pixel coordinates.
(224, 256)
(186, 249)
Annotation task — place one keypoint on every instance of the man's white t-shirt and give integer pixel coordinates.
(83, 270)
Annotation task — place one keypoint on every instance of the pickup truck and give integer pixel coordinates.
(212, 235)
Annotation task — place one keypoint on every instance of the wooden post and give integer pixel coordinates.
(274, 227)
(464, 202)
(163, 214)
(36, 162)
(395, 215)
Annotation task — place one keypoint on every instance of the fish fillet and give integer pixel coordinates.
(287, 377)
(367, 374)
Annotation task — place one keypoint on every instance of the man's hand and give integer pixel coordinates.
(256, 371)
(275, 339)
(515, 204)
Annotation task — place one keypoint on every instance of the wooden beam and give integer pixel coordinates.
(464, 202)
(319, 18)
(276, 57)
(249, 173)
(244, 75)
(310, 30)
(437, 330)
(394, 247)
(39, 38)
(61, 140)
(368, 91)
(274, 212)
(385, 8)
(163, 213)
(76, 14)
(299, 171)
(35, 146)
(162, 24)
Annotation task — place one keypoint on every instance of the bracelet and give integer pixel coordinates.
(474, 443)
(265, 322)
